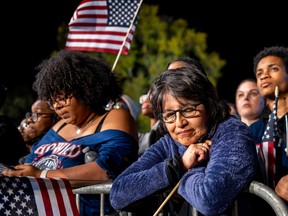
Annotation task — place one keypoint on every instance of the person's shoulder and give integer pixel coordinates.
(233, 123)
(120, 119)
(260, 123)
(232, 119)
(59, 125)
(119, 113)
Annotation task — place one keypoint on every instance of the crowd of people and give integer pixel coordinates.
(196, 144)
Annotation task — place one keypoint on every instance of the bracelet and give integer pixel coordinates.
(43, 174)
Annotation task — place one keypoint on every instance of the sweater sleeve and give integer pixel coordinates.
(143, 178)
(231, 167)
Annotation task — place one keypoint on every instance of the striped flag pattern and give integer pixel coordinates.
(36, 197)
(102, 25)
(269, 140)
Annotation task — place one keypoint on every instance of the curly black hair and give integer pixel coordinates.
(278, 51)
(77, 73)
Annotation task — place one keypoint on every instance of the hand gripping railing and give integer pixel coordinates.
(256, 188)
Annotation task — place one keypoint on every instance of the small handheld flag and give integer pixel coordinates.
(270, 139)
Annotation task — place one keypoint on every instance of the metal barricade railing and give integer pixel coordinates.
(102, 189)
(269, 195)
(256, 188)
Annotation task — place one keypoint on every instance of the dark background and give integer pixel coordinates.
(237, 31)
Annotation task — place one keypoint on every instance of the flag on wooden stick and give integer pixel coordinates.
(269, 140)
(103, 26)
(36, 197)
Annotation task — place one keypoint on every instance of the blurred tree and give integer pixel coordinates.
(157, 41)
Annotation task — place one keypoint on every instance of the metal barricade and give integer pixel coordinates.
(269, 195)
(102, 189)
(256, 188)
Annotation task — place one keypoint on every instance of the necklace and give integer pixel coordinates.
(79, 129)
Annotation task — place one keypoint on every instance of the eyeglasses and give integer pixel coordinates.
(187, 112)
(34, 115)
(22, 127)
(143, 98)
(60, 101)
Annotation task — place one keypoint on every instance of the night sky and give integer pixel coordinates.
(236, 31)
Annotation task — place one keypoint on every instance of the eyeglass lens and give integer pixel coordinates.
(187, 112)
(143, 98)
(60, 101)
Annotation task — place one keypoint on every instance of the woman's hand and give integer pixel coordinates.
(23, 170)
(196, 153)
(282, 188)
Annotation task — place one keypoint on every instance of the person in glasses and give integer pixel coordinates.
(37, 123)
(208, 152)
(156, 128)
(78, 88)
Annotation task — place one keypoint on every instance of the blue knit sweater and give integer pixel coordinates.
(211, 188)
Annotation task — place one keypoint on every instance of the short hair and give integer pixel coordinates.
(278, 51)
(190, 84)
(74, 72)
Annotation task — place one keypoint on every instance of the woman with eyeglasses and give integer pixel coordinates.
(37, 123)
(78, 88)
(211, 153)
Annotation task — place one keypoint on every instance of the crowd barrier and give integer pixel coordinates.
(261, 190)
(266, 193)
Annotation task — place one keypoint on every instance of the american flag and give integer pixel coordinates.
(269, 140)
(102, 26)
(36, 196)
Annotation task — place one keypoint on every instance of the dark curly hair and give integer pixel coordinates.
(278, 51)
(74, 72)
(190, 84)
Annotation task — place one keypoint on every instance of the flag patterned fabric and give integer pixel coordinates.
(31, 196)
(269, 140)
(102, 26)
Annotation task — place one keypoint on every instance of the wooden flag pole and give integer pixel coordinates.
(286, 127)
(124, 41)
(167, 198)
